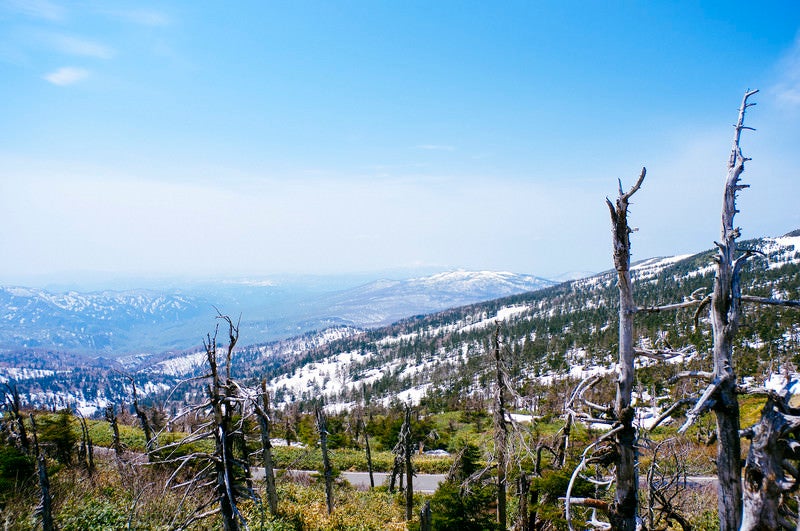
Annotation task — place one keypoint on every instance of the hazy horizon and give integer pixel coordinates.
(166, 139)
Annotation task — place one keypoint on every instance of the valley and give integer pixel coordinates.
(555, 332)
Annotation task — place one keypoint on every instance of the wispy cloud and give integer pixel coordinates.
(435, 147)
(787, 88)
(83, 47)
(66, 75)
(143, 17)
(37, 8)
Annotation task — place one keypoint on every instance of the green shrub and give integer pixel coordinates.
(455, 510)
(93, 515)
(15, 468)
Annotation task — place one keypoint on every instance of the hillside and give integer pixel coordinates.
(118, 323)
(567, 329)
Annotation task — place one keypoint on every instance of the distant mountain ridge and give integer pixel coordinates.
(385, 301)
(112, 323)
(568, 329)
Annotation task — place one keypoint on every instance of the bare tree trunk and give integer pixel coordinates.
(624, 511)
(769, 474)
(12, 398)
(219, 393)
(533, 519)
(266, 449)
(765, 479)
(111, 417)
(563, 447)
(397, 471)
(369, 455)
(523, 489)
(425, 517)
(87, 450)
(322, 426)
(725, 315)
(720, 395)
(500, 431)
(149, 438)
(45, 508)
(407, 452)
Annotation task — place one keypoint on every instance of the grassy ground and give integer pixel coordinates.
(133, 497)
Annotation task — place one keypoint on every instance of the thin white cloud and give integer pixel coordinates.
(436, 147)
(787, 88)
(66, 75)
(83, 47)
(143, 17)
(37, 8)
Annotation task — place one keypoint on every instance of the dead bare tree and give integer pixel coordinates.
(425, 517)
(623, 513)
(86, 452)
(771, 471)
(147, 429)
(720, 395)
(111, 418)
(500, 430)
(13, 405)
(666, 483)
(226, 474)
(322, 426)
(265, 422)
(368, 454)
(619, 446)
(765, 482)
(408, 450)
(45, 508)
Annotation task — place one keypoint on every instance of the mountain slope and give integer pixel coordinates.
(385, 301)
(567, 330)
(116, 323)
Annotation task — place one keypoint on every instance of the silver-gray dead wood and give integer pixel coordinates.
(13, 406)
(623, 514)
(327, 470)
(265, 423)
(725, 310)
(770, 473)
(408, 450)
(500, 431)
(45, 508)
(616, 449)
(224, 470)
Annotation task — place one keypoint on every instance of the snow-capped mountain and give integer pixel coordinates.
(105, 321)
(385, 301)
(565, 330)
(135, 321)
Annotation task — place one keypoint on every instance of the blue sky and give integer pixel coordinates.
(255, 138)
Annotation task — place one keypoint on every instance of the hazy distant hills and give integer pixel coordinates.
(114, 323)
(564, 329)
(385, 301)
(105, 321)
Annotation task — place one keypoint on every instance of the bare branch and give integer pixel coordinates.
(702, 375)
(669, 411)
(589, 502)
(705, 302)
(704, 403)
(770, 302)
(696, 298)
(663, 355)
